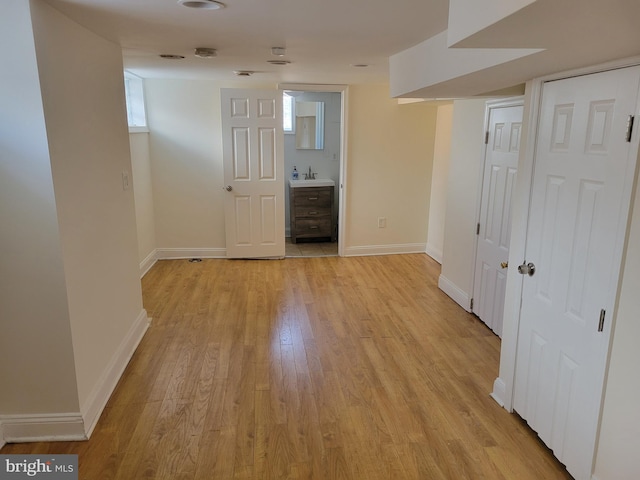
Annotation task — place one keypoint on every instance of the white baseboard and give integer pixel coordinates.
(97, 400)
(67, 427)
(434, 253)
(384, 249)
(499, 390)
(177, 253)
(457, 294)
(148, 262)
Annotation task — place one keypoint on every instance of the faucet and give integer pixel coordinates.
(310, 176)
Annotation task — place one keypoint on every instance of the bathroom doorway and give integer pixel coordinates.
(323, 158)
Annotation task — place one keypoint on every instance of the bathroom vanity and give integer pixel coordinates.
(312, 210)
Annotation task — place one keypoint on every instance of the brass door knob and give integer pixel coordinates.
(504, 264)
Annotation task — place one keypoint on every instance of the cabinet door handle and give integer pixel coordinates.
(312, 198)
(313, 227)
(313, 213)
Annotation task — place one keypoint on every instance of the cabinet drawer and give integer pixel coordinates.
(312, 196)
(317, 227)
(312, 211)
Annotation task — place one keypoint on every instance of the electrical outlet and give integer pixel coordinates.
(382, 222)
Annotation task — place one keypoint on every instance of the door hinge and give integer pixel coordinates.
(601, 323)
(629, 127)
(486, 137)
(478, 229)
(471, 305)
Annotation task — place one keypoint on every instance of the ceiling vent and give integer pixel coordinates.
(202, 52)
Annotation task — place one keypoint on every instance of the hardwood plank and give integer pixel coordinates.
(323, 368)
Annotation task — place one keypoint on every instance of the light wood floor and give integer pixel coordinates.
(309, 368)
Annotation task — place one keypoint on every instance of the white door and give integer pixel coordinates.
(494, 224)
(253, 159)
(584, 170)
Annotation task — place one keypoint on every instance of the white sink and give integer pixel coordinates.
(319, 182)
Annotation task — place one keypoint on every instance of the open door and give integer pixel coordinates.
(253, 160)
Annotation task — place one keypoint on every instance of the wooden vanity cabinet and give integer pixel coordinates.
(311, 212)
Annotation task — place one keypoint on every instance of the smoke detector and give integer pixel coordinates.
(203, 52)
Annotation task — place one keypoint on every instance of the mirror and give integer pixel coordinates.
(310, 125)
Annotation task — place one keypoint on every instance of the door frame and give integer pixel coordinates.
(490, 104)
(503, 387)
(343, 90)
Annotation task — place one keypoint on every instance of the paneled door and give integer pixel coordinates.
(494, 225)
(253, 159)
(584, 168)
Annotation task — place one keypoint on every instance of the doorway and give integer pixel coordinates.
(322, 159)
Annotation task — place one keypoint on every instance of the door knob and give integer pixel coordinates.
(527, 269)
(228, 188)
(504, 264)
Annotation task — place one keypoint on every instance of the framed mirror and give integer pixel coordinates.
(309, 125)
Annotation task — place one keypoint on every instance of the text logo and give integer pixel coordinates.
(49, 467)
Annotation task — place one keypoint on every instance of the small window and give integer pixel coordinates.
(288, 113)
(134, 92)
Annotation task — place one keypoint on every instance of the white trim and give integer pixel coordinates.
(52, 427)
(179, 253)
(498, 394)
(456, 293)
(2, 441)
(105, 386)
(147, 263)
(138, 129)
(366, 250)
(434, 253)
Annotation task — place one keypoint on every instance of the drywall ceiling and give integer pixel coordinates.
(323, 39)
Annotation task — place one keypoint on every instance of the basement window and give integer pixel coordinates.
(288, 113)
(134, 93)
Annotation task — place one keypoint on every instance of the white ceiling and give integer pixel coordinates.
(323, 38)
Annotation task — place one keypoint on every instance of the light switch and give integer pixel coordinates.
(125, 180)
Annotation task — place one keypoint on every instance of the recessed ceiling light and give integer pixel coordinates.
(203, 52)
(278, 51)
(170, 56)
(243, 73)
(202, 4)
(279, 62)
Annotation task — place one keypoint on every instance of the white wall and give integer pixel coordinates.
(82, 85)
(37, 372)
(185, 146)
(465, 169)
(390, 156)
(439, 182)
(143, 194)
(325, 162)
